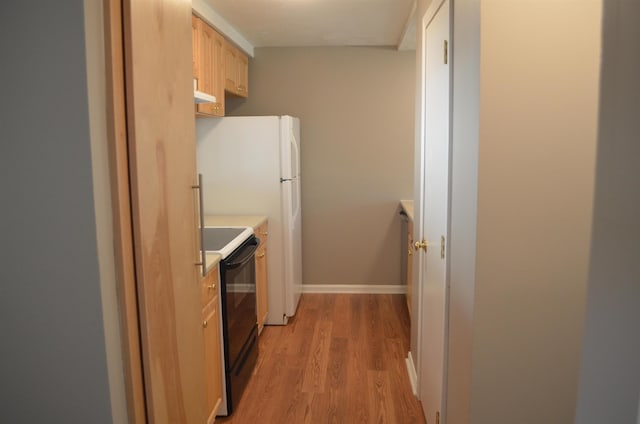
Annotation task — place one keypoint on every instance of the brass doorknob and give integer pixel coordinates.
(421, 245)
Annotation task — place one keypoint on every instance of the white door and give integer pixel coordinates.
(435, 212)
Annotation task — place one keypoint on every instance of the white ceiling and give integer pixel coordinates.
(321, 22)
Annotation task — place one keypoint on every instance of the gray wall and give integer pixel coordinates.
(610, 370)
(52, 356)
(97, 96)
(515, 348)
(464, 200)
(537, 148)
(523, 165)
(356, 107)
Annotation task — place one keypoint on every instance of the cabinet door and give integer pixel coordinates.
(212, 358)
(162, 168)
(261, 287)
(242, 70)
(210, 69)
(206, 81)
(236, 71)
(210, 286)
(262, 291)
(218, 74)
(230, 68)
(195, 44)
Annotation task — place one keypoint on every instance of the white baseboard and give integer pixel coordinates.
(413, 376)
(355, 288)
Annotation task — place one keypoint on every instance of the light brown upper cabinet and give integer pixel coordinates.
(208, 68)
(243, 75)
(236, 71)
(195, 44)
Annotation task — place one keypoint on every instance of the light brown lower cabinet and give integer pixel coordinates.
(212, 344)
(262, 291)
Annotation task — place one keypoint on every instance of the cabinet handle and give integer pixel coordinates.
(204, 323)
(260, 255)
(265, 233)
(212, 287)
(203, 256)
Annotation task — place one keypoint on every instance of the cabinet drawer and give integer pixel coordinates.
(210, 286)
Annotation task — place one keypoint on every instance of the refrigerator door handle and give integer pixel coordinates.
(294, 141)
(298, 201)
(296, 158)
(295, 208)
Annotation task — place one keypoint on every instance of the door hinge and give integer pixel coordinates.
(442, 247)
(446, 51)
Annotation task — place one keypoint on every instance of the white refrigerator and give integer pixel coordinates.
(251, 166)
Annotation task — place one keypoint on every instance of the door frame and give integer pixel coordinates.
(122, 219)
(419, 229)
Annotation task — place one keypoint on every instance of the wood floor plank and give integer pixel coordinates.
(356, 321)
(327, 306)
(392, 327)
(342, 316)
(315, 374)
(292, 403)
(340, 360)
(406, 408)
(381, 407)
(375, 334)
(298, 343)
(292, 336)
(328, 407)
(357, 384)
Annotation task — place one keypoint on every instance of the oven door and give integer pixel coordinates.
(239, 317)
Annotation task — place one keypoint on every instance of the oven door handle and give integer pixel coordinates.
(245, 256)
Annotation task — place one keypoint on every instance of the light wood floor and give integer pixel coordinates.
(340, 360)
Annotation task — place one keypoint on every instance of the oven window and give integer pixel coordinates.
(241, 306)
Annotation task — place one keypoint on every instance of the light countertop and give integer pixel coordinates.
(253, 221)
(212, 259)
(407, 206)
